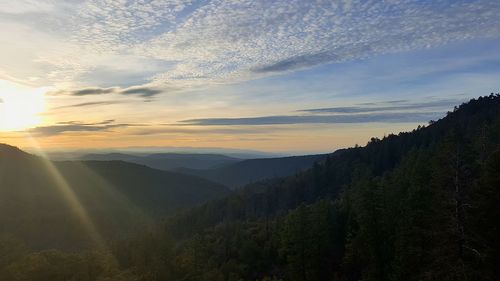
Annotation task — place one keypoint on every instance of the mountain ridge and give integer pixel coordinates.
(117, 196)
(249, 171)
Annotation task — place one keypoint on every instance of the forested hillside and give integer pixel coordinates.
(421, 205)
(118, 198)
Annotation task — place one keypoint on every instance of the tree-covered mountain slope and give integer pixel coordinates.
(421, 205)
(37, 195)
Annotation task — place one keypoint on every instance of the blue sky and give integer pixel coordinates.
(239, 74)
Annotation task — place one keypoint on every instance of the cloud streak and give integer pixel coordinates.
(93, 91)
(317, 119)
(393, 111)
(88, 104)
(141, 91)
(144, 92)
(298, 62)
(75, 126)
(432, 105)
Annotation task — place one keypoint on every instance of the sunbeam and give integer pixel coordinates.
(65, 189)
(113, 194)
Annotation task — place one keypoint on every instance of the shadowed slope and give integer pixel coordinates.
(119, 197)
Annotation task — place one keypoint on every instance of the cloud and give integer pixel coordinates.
(168, 129)
(195, 42)
(85, 104)
(75, 126)
(228, 41)
(24, 6)
(432, 105)
(385, 102)
(298, 62)
(93, 91)
(392, 111)
(144, 92)
(105, 122)
(411, 117)
(141, 91)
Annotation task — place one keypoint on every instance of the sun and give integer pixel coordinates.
(20, 107)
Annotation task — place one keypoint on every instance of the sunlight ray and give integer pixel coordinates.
(113, 193)
(68, 193)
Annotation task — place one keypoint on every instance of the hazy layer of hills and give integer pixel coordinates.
(229, 171)
(169, 161)
(252, 170)
(75, 154)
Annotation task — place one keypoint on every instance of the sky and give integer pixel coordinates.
(289, 76)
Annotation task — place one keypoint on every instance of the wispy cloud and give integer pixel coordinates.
(25, 6)
(197, 42)
(168, 129)
(85, 104)
(144, 92)
(93, 91)
(297, 62)
(104, 122)
(227, 40)
(432, 105)
(317, 119)
(75, 126)
(392, 111)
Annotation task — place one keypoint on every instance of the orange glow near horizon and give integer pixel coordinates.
(320, 138)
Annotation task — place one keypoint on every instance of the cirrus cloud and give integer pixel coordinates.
(144, 92)
(317, 119)
(75, 126)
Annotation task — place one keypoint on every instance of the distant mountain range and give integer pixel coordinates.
(169, 161)
(65, 154)
(229, 171)
(252, 170)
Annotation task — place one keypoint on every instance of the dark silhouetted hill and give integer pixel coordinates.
(43, 201)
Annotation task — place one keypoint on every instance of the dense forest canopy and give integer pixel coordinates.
(420, 205)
